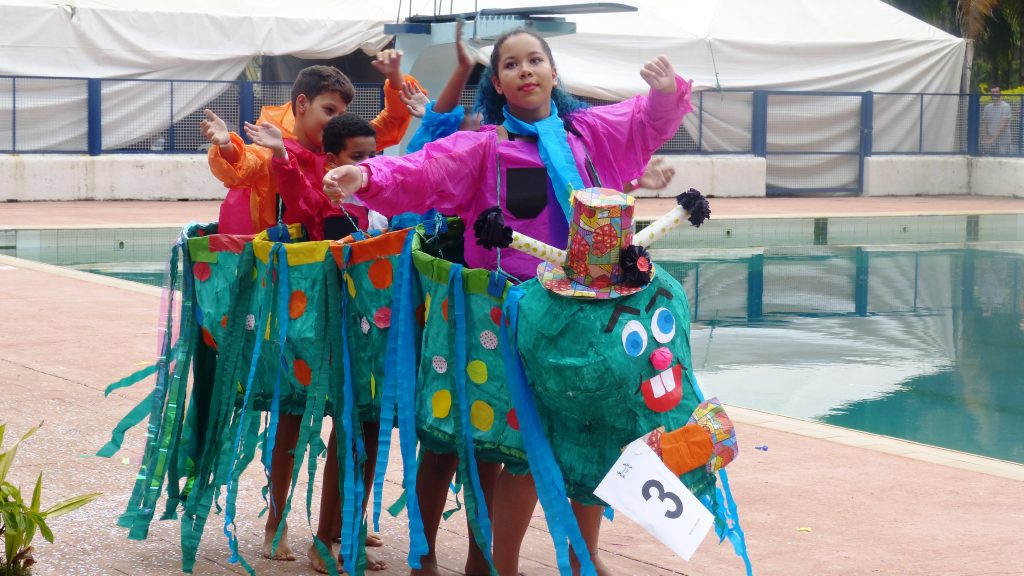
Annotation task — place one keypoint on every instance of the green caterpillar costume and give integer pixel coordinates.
(390, 328)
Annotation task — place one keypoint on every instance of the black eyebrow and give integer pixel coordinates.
(619, 310)
(660, 292)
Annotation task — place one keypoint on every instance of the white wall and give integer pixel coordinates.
(28, 177)
(916, 175)
(722, 176)
(187, 177)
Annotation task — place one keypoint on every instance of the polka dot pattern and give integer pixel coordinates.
(481, 416)
(351, 285)
(364, 325)
(297, 304)
(488, 340)
(441, 403)
(302, 372)
(440, 364)
(512, 419)
(250, 322)
(477, 371)
(201, 271)
(380, 274)
(382, 317)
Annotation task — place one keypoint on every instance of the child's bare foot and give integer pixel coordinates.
(317, 562)
(374, 563)
(283, 552)
(373, 540)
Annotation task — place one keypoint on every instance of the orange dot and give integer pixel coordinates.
(208, 339)
(444, 309)
(380, 274)
(224, 321)
(302, 372)
(297, 304)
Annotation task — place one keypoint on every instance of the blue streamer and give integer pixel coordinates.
(547, 476)
(229, 510)
(348, 538)
(406, 378)
(456, 288)
(728, 512)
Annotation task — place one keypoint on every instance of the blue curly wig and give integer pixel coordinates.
(489, 103)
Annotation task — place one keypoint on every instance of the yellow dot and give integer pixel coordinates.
(481, 416)
(426, 308)
(351, 285)
(442, 403)
(477, 371)
(373, 387)
(266, 336)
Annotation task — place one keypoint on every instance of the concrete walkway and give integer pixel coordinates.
(820, 500)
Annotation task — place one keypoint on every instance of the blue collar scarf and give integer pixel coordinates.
(553, 144)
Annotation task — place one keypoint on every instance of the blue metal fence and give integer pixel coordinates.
(98, 116)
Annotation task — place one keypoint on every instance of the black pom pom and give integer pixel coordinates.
(490, 229)
(696, 204)
(636, 265)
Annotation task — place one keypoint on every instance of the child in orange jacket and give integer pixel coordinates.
(318, 94)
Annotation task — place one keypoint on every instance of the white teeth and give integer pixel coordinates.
(668, 380)
(663, 383)
(657, 386)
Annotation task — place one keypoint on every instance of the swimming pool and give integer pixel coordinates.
(907, 326)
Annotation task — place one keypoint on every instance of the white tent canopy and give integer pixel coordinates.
(178, 39)
(821, 45)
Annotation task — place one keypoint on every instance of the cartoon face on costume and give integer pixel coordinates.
(605, 372)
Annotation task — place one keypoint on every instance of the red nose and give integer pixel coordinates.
(661, 358)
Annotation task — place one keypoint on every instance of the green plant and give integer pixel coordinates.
(18, 521)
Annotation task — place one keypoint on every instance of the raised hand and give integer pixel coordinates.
(389, 63)
(414, 99)
(267, 135)
(342, 182)
(660, 75)
(461, 56)
(656, 176)
(213, 129)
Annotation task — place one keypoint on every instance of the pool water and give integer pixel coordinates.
(911, 328)
(919, 343)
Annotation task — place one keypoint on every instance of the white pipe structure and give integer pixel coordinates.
(537, 248)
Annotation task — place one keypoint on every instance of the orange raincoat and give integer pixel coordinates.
(251, 202)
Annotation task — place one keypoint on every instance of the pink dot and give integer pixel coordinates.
(382, 317)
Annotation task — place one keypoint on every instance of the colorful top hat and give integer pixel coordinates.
(602, 261)
(600, 228)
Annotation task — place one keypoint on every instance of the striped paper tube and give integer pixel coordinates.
(657, 229)
(537, 248)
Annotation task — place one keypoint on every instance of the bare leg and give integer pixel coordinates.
(476, 563)
(435, 475)
(513, 509)
(281, 461)
(330, 506)
(589, 519)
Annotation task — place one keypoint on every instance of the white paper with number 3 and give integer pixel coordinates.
(645, 490)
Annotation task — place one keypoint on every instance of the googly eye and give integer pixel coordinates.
(634, 338)
(663, 325)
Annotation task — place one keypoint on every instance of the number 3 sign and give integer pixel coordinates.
(644, 489)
